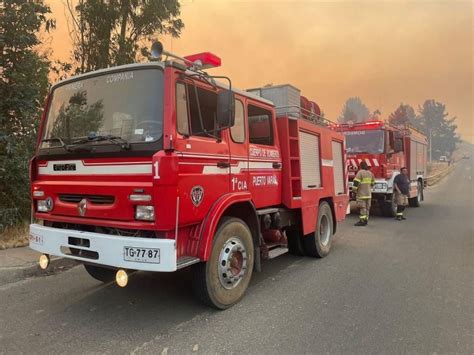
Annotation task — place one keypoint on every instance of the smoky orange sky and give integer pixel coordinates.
(386, 52)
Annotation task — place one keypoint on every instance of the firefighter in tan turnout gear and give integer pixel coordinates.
(362, 186)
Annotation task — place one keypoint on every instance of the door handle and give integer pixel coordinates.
(276, 165)
(223, 164)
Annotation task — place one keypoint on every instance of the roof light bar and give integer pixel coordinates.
(204, 60)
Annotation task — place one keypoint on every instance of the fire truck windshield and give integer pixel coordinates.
(365, 141)
(125, 105)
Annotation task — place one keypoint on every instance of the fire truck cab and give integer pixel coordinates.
(158, 166)
(386, 148)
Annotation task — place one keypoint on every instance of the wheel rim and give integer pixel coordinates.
(232, 263)
(324, 230)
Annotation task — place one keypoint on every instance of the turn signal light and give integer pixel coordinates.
(38, 193)
(140, 198)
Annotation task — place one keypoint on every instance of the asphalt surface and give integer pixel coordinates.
(392, 287)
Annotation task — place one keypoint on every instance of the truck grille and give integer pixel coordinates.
(94, 199)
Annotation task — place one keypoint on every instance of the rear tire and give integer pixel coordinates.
(416, 201)
(318, 243)
(389, 207)
(223, 279)
(100, 273)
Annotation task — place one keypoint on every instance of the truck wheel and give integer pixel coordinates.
(100, 273)
(223, 279)
(389, 208)
(416, 201)
(295, 241)
(318, 244)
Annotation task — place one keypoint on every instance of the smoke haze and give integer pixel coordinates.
(386, 52)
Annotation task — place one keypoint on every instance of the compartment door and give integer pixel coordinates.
(310, 161)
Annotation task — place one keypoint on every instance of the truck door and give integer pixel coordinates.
(203, 150)
(238, 147)
(264, 156)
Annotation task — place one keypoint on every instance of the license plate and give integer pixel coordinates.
(141, 255)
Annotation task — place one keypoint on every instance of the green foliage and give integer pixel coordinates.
(78, 118)
(433, 119)
(402, 115)
(354, 110)
(23, 87)
(115, 32)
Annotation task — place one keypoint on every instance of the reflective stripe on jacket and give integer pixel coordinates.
(362, 184)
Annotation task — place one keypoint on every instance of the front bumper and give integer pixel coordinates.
(108, 250)
(380, 187)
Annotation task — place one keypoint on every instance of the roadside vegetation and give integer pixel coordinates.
(103, 33)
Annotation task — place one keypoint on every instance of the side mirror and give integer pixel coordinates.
(225, 109)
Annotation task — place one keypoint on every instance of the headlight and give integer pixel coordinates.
(145, 213)
(44, 205)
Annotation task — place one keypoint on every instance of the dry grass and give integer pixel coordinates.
(435, 167)
(14, 236)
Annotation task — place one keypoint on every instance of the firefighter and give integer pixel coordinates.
(401, 184)
(362, 186)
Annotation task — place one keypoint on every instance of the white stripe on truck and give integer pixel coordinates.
(122, 168)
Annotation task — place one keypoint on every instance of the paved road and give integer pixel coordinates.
(391, 287)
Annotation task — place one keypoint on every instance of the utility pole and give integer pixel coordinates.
(430, 143)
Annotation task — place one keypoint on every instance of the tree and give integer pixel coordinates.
(354, 110)
(433, 121)
(78, 118)
(23, 87)
(402, 115)
(116, 32)
(375, 115)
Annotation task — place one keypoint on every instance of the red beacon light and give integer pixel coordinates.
(204, 60)
(373, 123)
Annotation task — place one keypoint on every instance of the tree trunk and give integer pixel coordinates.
(121, 57)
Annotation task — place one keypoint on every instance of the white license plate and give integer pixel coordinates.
(141, 255)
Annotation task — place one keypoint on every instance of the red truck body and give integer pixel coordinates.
(159, 190)
(387, 148)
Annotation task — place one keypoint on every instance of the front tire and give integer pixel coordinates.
(100, 273)
(416, 201)
(223, 279)
(389, 207)
(318, 243)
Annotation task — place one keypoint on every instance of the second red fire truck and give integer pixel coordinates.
(157, 166)
(387, 148)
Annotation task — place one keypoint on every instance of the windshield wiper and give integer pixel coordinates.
(122, 143)
(57, 139)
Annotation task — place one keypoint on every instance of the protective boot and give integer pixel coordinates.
(361, 223)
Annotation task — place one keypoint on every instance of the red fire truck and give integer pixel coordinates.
(387, 148)
(157, 166)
